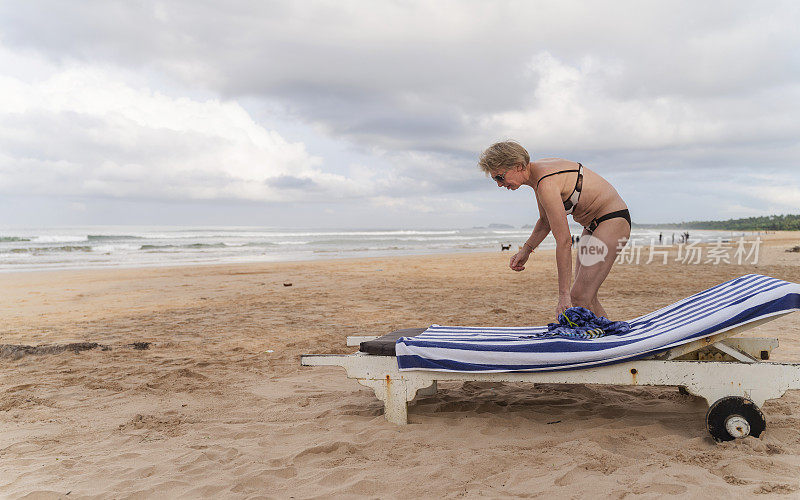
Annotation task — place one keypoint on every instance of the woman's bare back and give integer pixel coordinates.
(598, 196)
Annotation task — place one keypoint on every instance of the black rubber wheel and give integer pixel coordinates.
(734, 417)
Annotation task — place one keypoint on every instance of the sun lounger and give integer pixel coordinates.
(689, 344)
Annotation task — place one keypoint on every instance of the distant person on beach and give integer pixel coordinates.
(562, 188)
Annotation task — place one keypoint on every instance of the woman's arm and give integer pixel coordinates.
(540, 231)
(549, 196)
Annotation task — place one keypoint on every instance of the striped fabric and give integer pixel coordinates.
(504, 349)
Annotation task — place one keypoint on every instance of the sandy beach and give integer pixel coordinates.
(218, 405)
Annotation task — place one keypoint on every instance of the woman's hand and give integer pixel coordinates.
(564, 303)
(519, 259)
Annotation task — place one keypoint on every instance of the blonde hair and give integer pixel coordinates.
(502, 156)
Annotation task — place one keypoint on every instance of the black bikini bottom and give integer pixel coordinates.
(612, 215)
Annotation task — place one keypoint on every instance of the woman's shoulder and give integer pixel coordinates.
(546, 166)
(552, 164)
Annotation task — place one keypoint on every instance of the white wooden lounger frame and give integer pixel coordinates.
(716, 368)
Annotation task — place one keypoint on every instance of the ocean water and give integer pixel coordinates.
(27, 249)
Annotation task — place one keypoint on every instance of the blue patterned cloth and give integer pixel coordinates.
(581, 323)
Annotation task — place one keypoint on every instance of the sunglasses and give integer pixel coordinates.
(500, 177)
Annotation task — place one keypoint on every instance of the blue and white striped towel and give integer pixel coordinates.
(505, 349)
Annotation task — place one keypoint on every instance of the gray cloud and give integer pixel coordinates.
(291, 182)
(422, 76)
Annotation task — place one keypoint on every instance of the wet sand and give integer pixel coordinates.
(219, 406)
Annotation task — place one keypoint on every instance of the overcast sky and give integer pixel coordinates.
(373, 114)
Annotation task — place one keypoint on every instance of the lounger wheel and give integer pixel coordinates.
(734, 417)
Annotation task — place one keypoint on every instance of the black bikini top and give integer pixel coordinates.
(572, 200)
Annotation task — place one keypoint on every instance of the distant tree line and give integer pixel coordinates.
(764, 223)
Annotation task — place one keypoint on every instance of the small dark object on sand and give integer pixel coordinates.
(287, 283)
(141, 346)
(505, 247)
(794, 249)
(82, 346)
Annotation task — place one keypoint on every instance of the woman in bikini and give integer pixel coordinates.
(562, 188)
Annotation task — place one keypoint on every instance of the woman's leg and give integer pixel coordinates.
(597, 308)
(578, 254)
(613, 234)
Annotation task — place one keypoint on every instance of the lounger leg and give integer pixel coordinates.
(395, 394)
